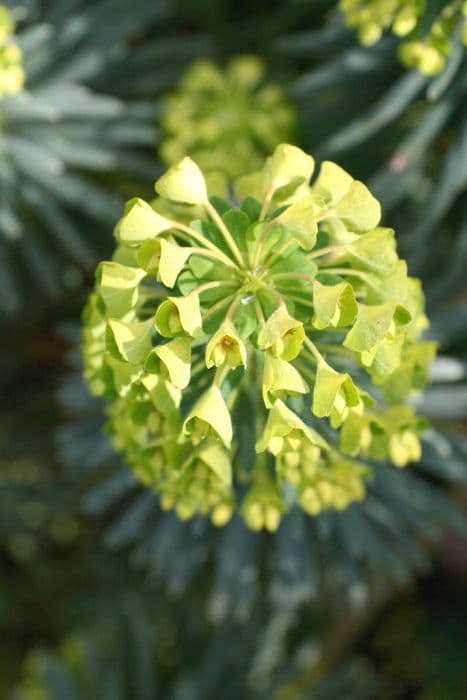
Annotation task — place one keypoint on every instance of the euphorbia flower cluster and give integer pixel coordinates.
(11, 71)
(247, 347)
(429, 32)
(226, 119)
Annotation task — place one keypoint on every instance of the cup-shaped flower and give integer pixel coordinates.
(183, 183)
(165, 396)
(334, 305)
(163, 259)
(299, 218)
(118, 287)
(285, 431)
(226, 347)
(281, 379)
(130, 342)
(332, 183)
(335, 393)
(288, 166)
(282, 334)
(372, 323)
(139, 223)
(178, 316)
(175, 358)
(209, 417)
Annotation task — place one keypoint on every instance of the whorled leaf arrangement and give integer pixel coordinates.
(80, 133)
(430, 32)
(11, 70)
(295, 292)
(145, 651)
(216, 113)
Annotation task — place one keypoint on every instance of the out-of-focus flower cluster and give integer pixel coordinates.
(226, 120)
(249, 348)
(428, 38)
(11, 70)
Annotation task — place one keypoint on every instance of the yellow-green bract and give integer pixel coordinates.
(428, 37)
(249, 349)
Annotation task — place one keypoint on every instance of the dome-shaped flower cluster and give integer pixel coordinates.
(217, 113)
(11, 71)
(249, 350)
(429, 37)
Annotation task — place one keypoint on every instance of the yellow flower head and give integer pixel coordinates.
(226, 120)
(232, 339)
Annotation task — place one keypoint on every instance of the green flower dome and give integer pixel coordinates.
(429, 35)
(253, 351)
(227, 121)
(11, 70)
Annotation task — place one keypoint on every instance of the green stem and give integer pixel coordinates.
(260, 242)
(216, 256)
(291, 276)
(304, 369)
(220, 375)
(215, 307)
(266, 202)
(299, 300)
(259, 312)
(233, 307)
(275, 294)
(277, 255)
(205, 242)
(324, 251)
(213, 213)
(336, 349)
(198, 367)
(348, 272)
(163, 440)
(314, 350)
(235, 392)
(213, 285)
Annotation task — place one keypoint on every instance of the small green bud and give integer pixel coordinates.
(226, 346)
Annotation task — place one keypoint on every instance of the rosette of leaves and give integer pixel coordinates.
(430, 29)
(81, 130)
(291, 309)
(215, 113)
(11, 71)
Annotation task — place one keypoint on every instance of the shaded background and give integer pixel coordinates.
(102, 595)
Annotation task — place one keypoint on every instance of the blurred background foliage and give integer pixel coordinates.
(101, 594)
